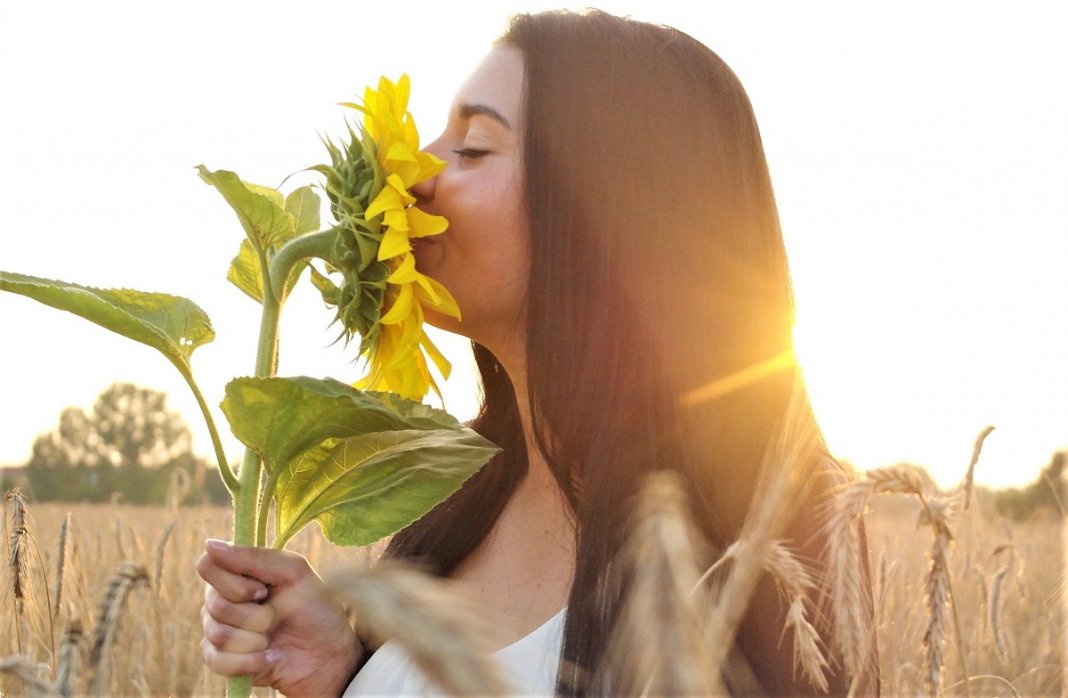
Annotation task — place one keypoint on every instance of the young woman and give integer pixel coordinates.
(614, 246)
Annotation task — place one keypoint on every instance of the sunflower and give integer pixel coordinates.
(383, 296)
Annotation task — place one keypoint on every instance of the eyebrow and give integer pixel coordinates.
(469, 110)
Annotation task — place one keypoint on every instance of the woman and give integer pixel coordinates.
(614, 246)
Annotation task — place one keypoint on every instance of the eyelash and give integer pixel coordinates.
(470, 153)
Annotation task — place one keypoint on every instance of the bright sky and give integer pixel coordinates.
(918, 152)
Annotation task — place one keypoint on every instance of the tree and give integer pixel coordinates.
(130, 444)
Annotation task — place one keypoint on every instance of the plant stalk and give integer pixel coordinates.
(247, 495)
(251, 502)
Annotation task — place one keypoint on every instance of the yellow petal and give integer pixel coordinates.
(444, 367)
(405, 272)
(407, 348)
(433, 295)
(421, 224)
(396, 220)
(387, 199)
(401, 308)
(394, 242)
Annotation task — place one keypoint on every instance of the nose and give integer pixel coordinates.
(424, 191)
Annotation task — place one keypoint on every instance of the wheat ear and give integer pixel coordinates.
(24, 668)
(995, 613)
(69, 666)
(61, 562)
(854, 634)
(937, 597)
(976, 450)
(435, 625)
(128, 577)
(657, 646)
(795, 581)
(161, 546)
(788, 467)
(17, 560)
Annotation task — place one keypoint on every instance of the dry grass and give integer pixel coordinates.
(1005, 584)
(155, 645)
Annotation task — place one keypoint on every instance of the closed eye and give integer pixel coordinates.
(470, 153)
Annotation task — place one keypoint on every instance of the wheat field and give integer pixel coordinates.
(135, 630)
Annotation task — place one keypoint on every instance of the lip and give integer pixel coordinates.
(420, 247)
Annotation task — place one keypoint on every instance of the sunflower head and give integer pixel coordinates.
(382, 295)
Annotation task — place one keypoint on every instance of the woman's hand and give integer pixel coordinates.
(266, 614)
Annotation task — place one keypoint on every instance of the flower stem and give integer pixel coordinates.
(298, 249)
(224, 467)
(247, 497)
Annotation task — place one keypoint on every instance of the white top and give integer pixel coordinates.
(529, 665)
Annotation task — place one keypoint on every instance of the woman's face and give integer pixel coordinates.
(483, 257)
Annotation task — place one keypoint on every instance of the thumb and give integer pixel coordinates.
(270, 566)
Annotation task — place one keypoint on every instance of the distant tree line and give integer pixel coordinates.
(1046, 494)
(130, 446)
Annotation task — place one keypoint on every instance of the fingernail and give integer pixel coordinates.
(218, 545)
(260, 594)
(272, 656)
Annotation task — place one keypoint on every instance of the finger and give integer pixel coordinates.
(227, 638)
(235, 587)
(257, 618)
(235, 663)
(270, 566)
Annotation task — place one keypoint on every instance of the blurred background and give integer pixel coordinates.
(918, 153)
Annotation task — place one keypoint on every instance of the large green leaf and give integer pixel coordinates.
(328, 445)
(261, 210)
(173, 325)
(364, 488)
(281, 418)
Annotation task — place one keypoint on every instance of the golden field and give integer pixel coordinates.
(1007, 586)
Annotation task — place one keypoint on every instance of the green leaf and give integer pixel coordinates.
(245, 272)
(173, 325)
(303, 204)
(326, 445)
(260, 209)
(366, 487)
(281, 418)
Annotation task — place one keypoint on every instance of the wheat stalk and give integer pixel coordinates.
(128, 577)
(657, 646)
(434, 624)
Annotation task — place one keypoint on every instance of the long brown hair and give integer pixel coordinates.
(657, 267)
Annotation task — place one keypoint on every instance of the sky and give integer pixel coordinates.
(917, 150)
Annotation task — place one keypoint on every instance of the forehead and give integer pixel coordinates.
(497, 82)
